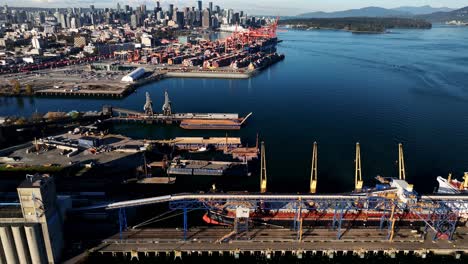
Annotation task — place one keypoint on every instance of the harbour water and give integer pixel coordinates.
(336, 88)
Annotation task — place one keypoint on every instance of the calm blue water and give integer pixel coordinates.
(336, 88)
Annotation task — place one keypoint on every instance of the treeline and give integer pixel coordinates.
(358, 24)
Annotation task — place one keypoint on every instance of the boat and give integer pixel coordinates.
(452, 186)
(200, 150)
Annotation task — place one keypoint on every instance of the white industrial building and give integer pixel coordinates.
(134, 75)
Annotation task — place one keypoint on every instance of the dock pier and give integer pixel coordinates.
(220, 121)
(273, 242)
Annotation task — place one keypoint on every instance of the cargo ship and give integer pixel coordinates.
(283, 213)
(214, 124)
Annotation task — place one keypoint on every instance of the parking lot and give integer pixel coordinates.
(75, 79)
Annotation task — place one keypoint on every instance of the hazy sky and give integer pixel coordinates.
(272, 7)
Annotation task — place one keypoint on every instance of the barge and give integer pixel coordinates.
(207, 168)
(214, 124)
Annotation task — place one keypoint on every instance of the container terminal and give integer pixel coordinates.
(390, 219)
(195, 121)
(241, 55)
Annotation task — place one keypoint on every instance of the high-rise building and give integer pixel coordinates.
(143, 9)
(171, 10)
(92, 18)
(160, 15)
(214, 22)
(75, 22)
(235, 19)
(180, 17)
(63, 20)
(118, 7)
(206, 18)
(41, 18)
(92, 8)
(229, 15)
(134, 21)
(199, 5)
(37, 42)
(210, 7)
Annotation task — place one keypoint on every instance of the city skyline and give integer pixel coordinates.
(260, 7)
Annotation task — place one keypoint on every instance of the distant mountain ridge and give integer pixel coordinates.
(459, 14)
(372, 11)
(422, 10)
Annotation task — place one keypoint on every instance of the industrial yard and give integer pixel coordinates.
(77, 148)
(70, 80)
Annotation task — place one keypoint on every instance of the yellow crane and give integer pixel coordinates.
(263, 175)
(465, 181)
(313, 174)
(401, 163)
(358, 183)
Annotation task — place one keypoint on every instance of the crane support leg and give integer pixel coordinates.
(122, 221)
(185, 224)
(338, 219)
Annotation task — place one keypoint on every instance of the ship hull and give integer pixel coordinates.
(316, 219)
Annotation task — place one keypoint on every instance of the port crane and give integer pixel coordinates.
(148, 107)
(357, 173)
(398, 202)
(167, 110)
(263, 175)
(313, 174)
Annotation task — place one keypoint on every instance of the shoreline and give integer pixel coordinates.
(132, 87)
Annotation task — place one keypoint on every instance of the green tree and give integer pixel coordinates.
(16, 86)
(29, 89)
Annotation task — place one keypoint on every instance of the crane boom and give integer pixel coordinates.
(401, 163)
(263, 175)
(358, 183)
(313, 174)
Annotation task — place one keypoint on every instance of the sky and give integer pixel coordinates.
(263, 7)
